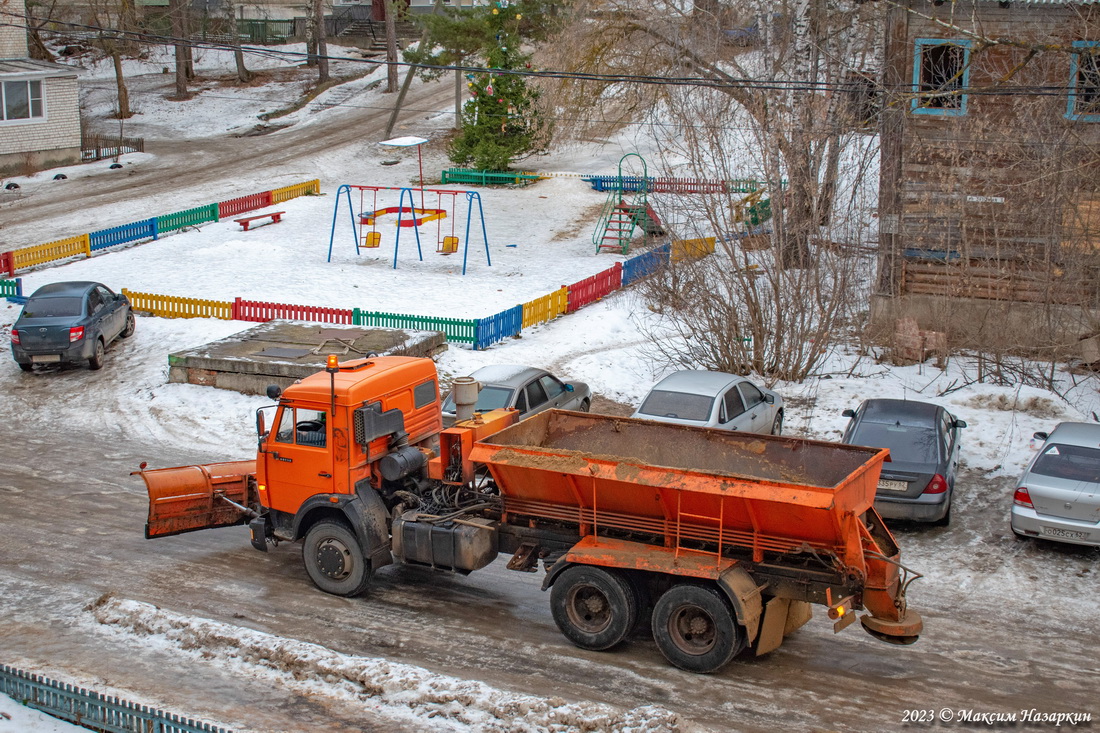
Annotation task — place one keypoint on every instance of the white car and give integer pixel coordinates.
(713, 400)
(1058, 495)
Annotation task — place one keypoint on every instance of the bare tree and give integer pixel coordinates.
(38, 15)
(243, 74)
(391, 45)
(179, 42)
(112, 17)
(322, 47)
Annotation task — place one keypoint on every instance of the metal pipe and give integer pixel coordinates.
(465, 391)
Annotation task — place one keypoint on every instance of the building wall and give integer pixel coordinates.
(52, 141)
(13, 40)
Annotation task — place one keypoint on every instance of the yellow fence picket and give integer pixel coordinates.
(57, 250)
(683, 249)
(545, 308)
(170, 306)
(278, 195)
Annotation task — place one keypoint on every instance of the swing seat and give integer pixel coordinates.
(371, 240)
(449, 245)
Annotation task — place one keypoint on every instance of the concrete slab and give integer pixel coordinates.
(280, 352)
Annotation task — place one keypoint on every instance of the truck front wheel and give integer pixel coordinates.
(334, 560)
(594, 608)
(695, 629)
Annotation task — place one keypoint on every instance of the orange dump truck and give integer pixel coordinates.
(723, 540)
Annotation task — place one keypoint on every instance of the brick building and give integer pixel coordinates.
(39, 104)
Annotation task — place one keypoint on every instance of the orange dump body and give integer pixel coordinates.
(696, 490)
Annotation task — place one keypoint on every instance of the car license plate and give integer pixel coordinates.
(1066, 534)
(888, 485)
(46, 359)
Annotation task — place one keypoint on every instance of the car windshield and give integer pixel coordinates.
(677, 405)
(1072, 462)
(907, 443)
(53, 307)
(489, 398)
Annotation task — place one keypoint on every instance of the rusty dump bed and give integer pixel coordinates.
(770, 493)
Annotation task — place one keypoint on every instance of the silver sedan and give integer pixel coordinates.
(524, 388)
(713, 400)
(1058, 495)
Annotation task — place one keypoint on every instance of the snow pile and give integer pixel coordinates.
(399, 692)
(16, 718)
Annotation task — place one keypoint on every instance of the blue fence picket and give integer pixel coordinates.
(104, 238)
(645, 264)
(499, 327)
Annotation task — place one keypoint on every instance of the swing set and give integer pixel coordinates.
(409, 216)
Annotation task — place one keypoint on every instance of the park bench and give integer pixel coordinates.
(275, 216)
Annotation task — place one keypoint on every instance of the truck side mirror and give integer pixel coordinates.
(274, 391)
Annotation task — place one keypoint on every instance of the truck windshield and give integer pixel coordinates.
(677, 405)
(53, 307)
(1072, 462)
(907, 443)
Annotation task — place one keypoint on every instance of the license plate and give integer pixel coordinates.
(888, 485)
(46, 359)
(1066, 534)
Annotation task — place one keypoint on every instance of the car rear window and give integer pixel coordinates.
(489, 398)
(1071, 462)
(53, 307)
(907, 443)
(677, 405)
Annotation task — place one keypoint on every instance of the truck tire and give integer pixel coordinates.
(695, 629)
(334, 560)
(594, 608)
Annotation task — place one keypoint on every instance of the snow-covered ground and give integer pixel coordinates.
(539, 239)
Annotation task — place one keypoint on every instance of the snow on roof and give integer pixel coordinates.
(33, 67)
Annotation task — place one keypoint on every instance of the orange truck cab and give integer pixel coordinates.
(724, 540)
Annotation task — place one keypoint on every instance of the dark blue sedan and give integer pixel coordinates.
(70, 323)
(923, 439)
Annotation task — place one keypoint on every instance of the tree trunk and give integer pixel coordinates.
(243, 74)
(185, 23)
(391, 46)
(124, 111)
(322, 47)
(175, 17)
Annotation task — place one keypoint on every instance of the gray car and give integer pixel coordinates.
(70, 323)
(713, 400)
(527, 389)
(919, 481)
(1058, 495)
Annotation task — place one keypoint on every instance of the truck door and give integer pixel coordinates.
(297, 460)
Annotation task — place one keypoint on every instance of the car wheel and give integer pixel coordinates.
(96, 362)
(334, 560)
(695, 628)
(594, 608)
(586, 406)
(25, 366)
(131, 324)
(777, 423)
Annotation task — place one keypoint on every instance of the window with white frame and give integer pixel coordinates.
(20, 100)
(1084, 82)
(941, 74)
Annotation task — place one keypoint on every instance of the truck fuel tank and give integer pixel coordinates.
(460, 545)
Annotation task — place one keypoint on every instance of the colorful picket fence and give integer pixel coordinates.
(643, 265)
(170, 306)
(499, 327)
(148, 229)
(546, 308)
(487, 178)
(260, 312)
(105, 238)
(187, 218)
(591, 289)
(11, 288)
(459, 330)
(286, 193)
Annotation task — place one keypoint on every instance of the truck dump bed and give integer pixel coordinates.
(691, 485)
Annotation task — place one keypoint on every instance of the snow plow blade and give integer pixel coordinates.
(190, 498)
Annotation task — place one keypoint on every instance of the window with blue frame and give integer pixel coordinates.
(941, 74)
(1084, 82)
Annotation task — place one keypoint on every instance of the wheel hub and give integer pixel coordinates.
(692, 630)
(589, 609)
(332, 559)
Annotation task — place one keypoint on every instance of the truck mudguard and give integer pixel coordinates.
(366, 514)
(744, 594)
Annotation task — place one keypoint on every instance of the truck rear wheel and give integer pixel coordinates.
(334, 560)
(695, 629)
(594, 608)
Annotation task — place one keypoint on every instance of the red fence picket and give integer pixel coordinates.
(7, 263)
(260, 312)
(232, 207)
(593, 288)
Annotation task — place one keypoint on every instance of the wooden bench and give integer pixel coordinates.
(275, 216)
